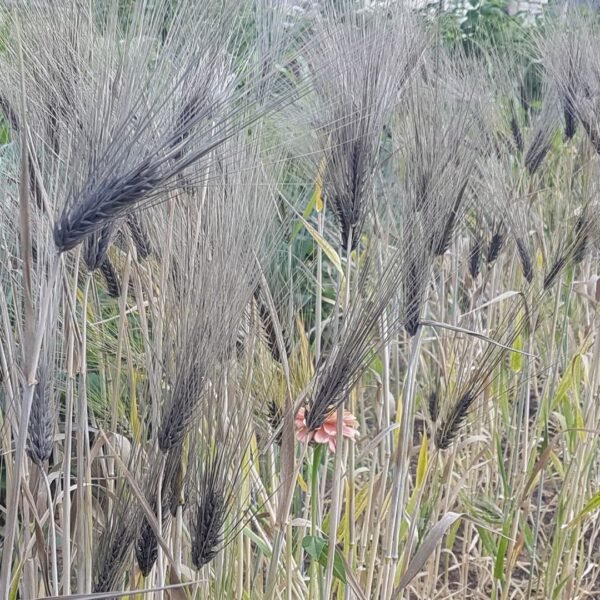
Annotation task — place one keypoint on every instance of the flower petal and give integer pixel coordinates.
(329, 428)
(349, 432)
(299, 418)
(321, 437)
(304, 436)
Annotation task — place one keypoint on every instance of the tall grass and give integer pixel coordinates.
(299, 300)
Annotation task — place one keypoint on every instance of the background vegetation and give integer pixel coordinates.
(299, 300)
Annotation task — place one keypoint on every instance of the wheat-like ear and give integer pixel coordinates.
(269, 327)
(41, 421)
(96, 247)
(209, 518)
(474, 375)
(139, 236)
(433, 404)
(220, 461)
(111, 278)
(573, 246)
(146, 544)
(361, 65)
(133, 109)
(475, 255)
(570, 54)
(114, 546)
(496, 242)
(540, 142)
(339, 368)
(434, 167)
(210, 246)
(447, 431)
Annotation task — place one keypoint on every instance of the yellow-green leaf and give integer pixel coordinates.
(302, 484)
(569, 379)
(317, 194)
(516, 358)
(134, 420)
(327, 248)
(592, 504)
(315, 201)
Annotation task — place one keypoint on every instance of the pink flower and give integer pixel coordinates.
(325, 434)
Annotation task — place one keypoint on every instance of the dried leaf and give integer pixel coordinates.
(429, 544)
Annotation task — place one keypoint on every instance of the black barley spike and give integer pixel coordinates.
(275, 418)
(103, 202)
(526, 263)
(581, 240)
(353, 105)
(475, 257)
(433, 404)
(349, 205)
(146, 545)
(537, 151)
(495, 246)
(204, 330)
(114, 547)
(128, 113)
(332, 387)
(111, 278)
(339, 369)
(209, 519)
(180, 411)
(555, 270)
(269, 328)
(570, 120)
(146, 548)
(516, 133)
(140, 238)
(414, 291)
(474, 378)
(96, 247)
(448, 429)
(40, 433)
(440, 245)
(219, 447)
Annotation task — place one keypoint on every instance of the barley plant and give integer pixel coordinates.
(299, 300)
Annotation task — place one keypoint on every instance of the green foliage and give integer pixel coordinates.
(483, 24)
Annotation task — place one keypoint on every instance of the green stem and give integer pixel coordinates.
(316, 575)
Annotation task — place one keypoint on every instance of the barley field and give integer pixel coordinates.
(299, 300)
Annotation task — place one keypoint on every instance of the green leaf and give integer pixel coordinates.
(260, 543)
(317, 548)
(592, 504)
(501, 553)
